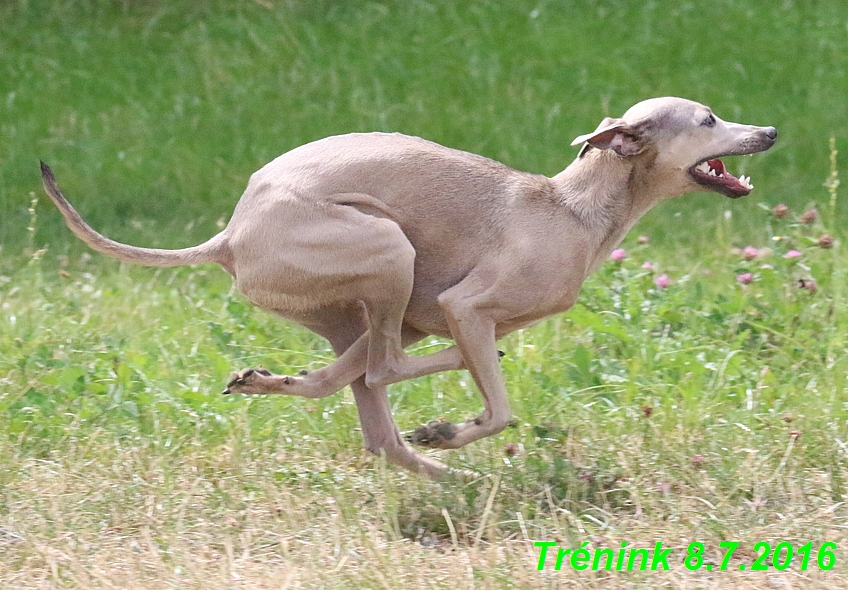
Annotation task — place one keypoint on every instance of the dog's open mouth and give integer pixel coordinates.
(713, 175)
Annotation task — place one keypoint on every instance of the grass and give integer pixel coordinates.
(706, 411)
(163, 110)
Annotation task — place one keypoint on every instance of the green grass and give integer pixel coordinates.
(707, 411)
(158, 114)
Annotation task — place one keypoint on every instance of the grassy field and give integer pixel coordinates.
(713, 410)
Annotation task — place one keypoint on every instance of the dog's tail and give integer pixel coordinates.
(215, 250)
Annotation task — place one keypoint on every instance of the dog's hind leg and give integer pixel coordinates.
(345, 370)
(378, 426)
(362, 265)
(375, 414)
(381, 434)
(323, 382)
(379, 431)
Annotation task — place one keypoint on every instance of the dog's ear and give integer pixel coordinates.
(612, 134)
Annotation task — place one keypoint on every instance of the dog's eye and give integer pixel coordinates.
(709, 121)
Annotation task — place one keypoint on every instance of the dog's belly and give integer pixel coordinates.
(432, 321)
(303, 237)
(428, 319)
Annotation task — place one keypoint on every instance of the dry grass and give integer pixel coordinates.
(97, 514)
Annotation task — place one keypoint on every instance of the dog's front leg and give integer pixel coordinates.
(472, 325)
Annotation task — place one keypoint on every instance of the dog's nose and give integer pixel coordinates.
(770, 132)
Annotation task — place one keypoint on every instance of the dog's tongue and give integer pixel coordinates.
(717, 169)
(718, 166)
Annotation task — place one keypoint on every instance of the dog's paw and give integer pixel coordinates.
(245, 381)
(434, 434)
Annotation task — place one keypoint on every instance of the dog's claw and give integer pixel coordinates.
(433, 434)
(242, 378)
(257, 381)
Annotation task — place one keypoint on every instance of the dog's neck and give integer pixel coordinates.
(604, 192)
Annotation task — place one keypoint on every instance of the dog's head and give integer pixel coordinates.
(686, 141)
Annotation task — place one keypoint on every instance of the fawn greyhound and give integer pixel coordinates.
(376, 240)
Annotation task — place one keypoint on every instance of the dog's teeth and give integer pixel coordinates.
(703, 167)
(713, 172)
